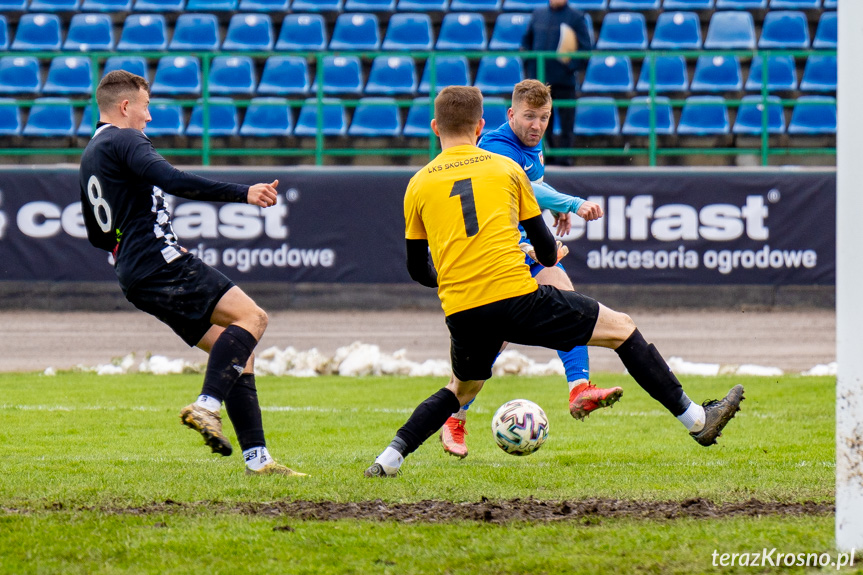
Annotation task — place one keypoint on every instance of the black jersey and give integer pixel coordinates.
(122, 181)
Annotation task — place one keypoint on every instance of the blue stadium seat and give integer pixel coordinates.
(730, 31)
(475, 5)
(376, 117)
(4, 33)
(106, 6)
(633, 4)
(623, 31)
(55, 5)
(409, 32)
(637, 122)
(523, 5)
(717, 74)
(830, 4)
(7, 6)
(781, 74)
(196, 32)
(19, 75)
(86, 126)
(167, 119)
(741, 4)
(50, 117)
(177, 75)
(784, 29)
(498, 74)
(596, 117)
(589, 4)
(825, 34)
(396, 75)
(263, 6)
(423, 5)
(417, 124)
(302, 32)
(688, 4)
(813, 115)
(134, 64)
(819, 75)
(509, 29)
(10, 118)
(750, 115)
(232, 75)
(335, 119)
(285, 75)
(342, 75)
(795, 4)
(160, 5)
(449, 71)
(671, 75)
(224, 120)
(677, 31)
(608, 74)
(704, 116)
(90, 32)
(211, 5)
(250, 32)
(69, 75)
(370, 5)
(356, 32)
(38, 32)
(462, 31)
(143, 32)
(493, 112)
(268, 117)
(317, 6)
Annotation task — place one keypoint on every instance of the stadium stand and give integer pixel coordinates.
(268, 117)
(419, 117)
(498, 74)
(334, 119)
(608, 74)
(671, 75)
(135, 64)
(589, 4)
(750, 116)
(249, 32)
(285, 76)
(89, 32)
(302, 32)
(370, 5)
(177, 75)
(475, 5)
(704, 116)
(195, 32)
(677, 31)
(523, 5)
(795, 4)
(275, 6)
(223, 118)
(356, 32)
(813, 115)
(69, 75)
(10, 118)
(143, 32)
(106, 5)
(717, 74)
(637, 122)
(596, 116)
(830, 4)
(730, 31)
(167, 118)
(688, 4)
(160, 5)
(741, 4)
(232, 75)
(409, 32)
(493, 112)
(508, 31)
(449, 71)
(38, 32)
(342, 75)
(623, 31)
(50, 117)
(376, 117)
(317, 5)
(784, 29)
(634, 5)
(211, 5)
(13, 5)
(820, 74)
(19, 75)
(395, 75)
(54, 5)
(4, 33)
(826, 33)
(781, 74)
(462, 31)
(423, 5)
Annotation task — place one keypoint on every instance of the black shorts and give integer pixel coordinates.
(182, 295)
(548, 317)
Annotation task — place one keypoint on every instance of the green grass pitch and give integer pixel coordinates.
(89, 462)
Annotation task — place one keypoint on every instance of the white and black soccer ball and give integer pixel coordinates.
(520, 427)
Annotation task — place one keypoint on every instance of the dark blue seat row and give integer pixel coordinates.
(362, 31)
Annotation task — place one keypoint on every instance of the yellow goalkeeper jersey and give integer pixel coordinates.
(467, 203)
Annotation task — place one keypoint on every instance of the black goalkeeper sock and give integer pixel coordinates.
(426, 419)
(245, 412)
(648, 368)
(228, 359)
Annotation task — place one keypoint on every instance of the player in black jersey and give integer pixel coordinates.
(123, 181)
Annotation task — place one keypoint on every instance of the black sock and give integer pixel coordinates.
(647, 367)
(228, 359)
(426, 419)
(245, 412)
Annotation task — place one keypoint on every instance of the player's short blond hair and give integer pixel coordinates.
(458, 110)
(117, 86)
(532, 93)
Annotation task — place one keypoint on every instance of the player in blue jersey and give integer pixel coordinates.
(520, 139)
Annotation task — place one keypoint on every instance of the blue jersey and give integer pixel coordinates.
(503, 141)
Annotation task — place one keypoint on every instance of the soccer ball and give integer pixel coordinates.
(520, 427)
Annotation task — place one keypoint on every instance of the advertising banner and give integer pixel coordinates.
(346, 225)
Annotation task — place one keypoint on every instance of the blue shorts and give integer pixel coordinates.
(536, 267)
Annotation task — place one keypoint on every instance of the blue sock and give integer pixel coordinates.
(576, 362)
(466, 406)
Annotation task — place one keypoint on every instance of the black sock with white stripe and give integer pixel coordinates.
(228, 359)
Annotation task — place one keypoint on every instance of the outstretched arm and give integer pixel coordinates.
(543, 242)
